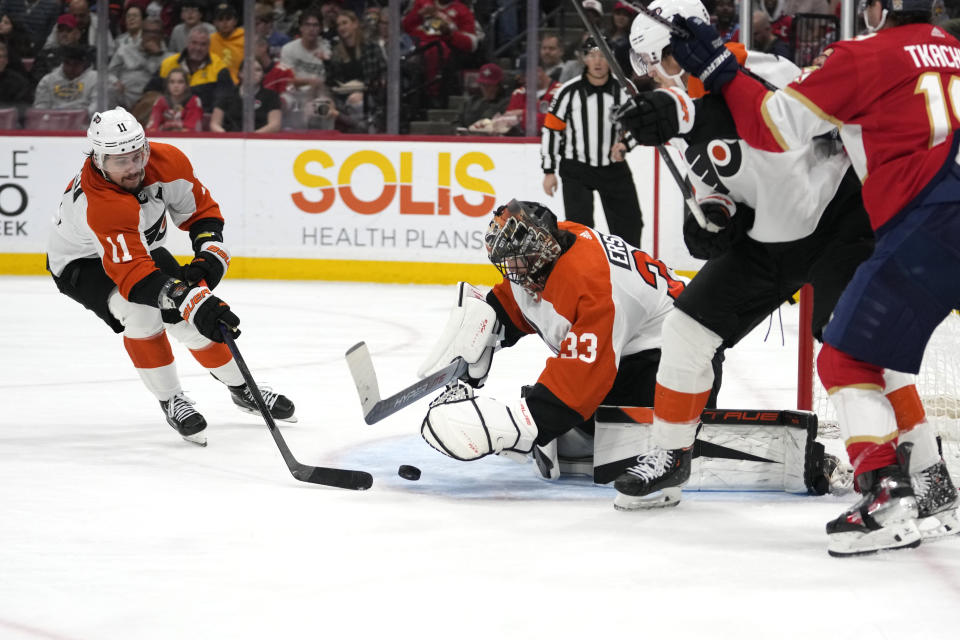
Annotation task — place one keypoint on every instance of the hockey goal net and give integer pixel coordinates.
(938, 383)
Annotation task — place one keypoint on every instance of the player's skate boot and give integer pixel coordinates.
(936, 501)
(280, 406)
(884, 518)
(654, 481)
(185, 419)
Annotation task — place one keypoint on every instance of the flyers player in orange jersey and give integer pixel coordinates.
(596, 301)
(106, 252)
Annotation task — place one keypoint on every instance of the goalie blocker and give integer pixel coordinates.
(735, 450)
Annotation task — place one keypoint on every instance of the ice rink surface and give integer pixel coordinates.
(112, 527)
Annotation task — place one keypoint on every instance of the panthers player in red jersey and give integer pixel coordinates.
(597, 302)
(892, 95)
(106, 252)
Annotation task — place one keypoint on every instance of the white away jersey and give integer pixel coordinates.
(603, 300)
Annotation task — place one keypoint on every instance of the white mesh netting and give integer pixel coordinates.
(938, 384)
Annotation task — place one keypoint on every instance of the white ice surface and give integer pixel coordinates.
(112, 527)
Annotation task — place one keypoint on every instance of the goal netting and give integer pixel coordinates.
(938, 384)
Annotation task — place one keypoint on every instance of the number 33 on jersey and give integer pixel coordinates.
(603, 300)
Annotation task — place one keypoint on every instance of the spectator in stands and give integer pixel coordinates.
(267, 115)
(276, 75)
(517, 107)
(263, 26)
(177, 109)
(19, 44)
(306, 57)
(227, 40)
(16, 90)
(620, 25)
(72, 85)
(132, 24)
(726, 20)
(490, 101)
(357, 75)
(328, 14)
(209, 77)
(86, 22)
(764, 40)
(191, 15)
(451, 25)
(383, 33)
(793, 7)
(48, 59)
(137, 61)
(38, 17)
(551, 56)
(781, 23)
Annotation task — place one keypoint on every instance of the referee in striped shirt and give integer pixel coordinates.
(583, 143)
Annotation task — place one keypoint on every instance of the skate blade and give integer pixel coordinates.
(198, 439)
(669, 497)
(255, 412)
(903, 535)
(939, 525)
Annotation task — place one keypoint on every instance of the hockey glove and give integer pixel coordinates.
(654, 117)
(734, 222)
(209, 264)
(199, 307)
(702, 53)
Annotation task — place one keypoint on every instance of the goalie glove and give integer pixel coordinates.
(654, 117)
(702, 53)
(733, 223)
(465, 427)
(472, 332)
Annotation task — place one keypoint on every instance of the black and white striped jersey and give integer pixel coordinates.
(578, 125)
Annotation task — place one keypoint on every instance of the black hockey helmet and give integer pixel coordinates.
(919, 10)
(522, 244)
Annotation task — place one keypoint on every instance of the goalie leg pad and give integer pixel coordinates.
(466, 427)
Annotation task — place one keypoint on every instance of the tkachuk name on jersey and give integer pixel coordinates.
(934, 55)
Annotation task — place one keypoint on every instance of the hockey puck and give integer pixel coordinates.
(408, 472)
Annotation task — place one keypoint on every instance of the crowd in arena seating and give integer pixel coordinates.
(322, 64)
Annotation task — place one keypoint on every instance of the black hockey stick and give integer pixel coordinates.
(342, 478)
(365, 377)
(688, 197)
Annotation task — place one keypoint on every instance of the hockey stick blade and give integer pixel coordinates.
(327, 476)
(365, 378)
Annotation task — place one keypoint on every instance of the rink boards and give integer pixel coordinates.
(374, 208)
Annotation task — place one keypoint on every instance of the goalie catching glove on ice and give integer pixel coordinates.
(596, 301)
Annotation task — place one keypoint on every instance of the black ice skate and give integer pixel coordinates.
(654, 481)
(185, 419)
(936, 501)
(281, 408)
(884, 518)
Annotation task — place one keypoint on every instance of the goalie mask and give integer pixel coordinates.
(650, 40)
(521, 244)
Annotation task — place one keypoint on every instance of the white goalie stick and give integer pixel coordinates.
(689, 199)
(365, 378)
